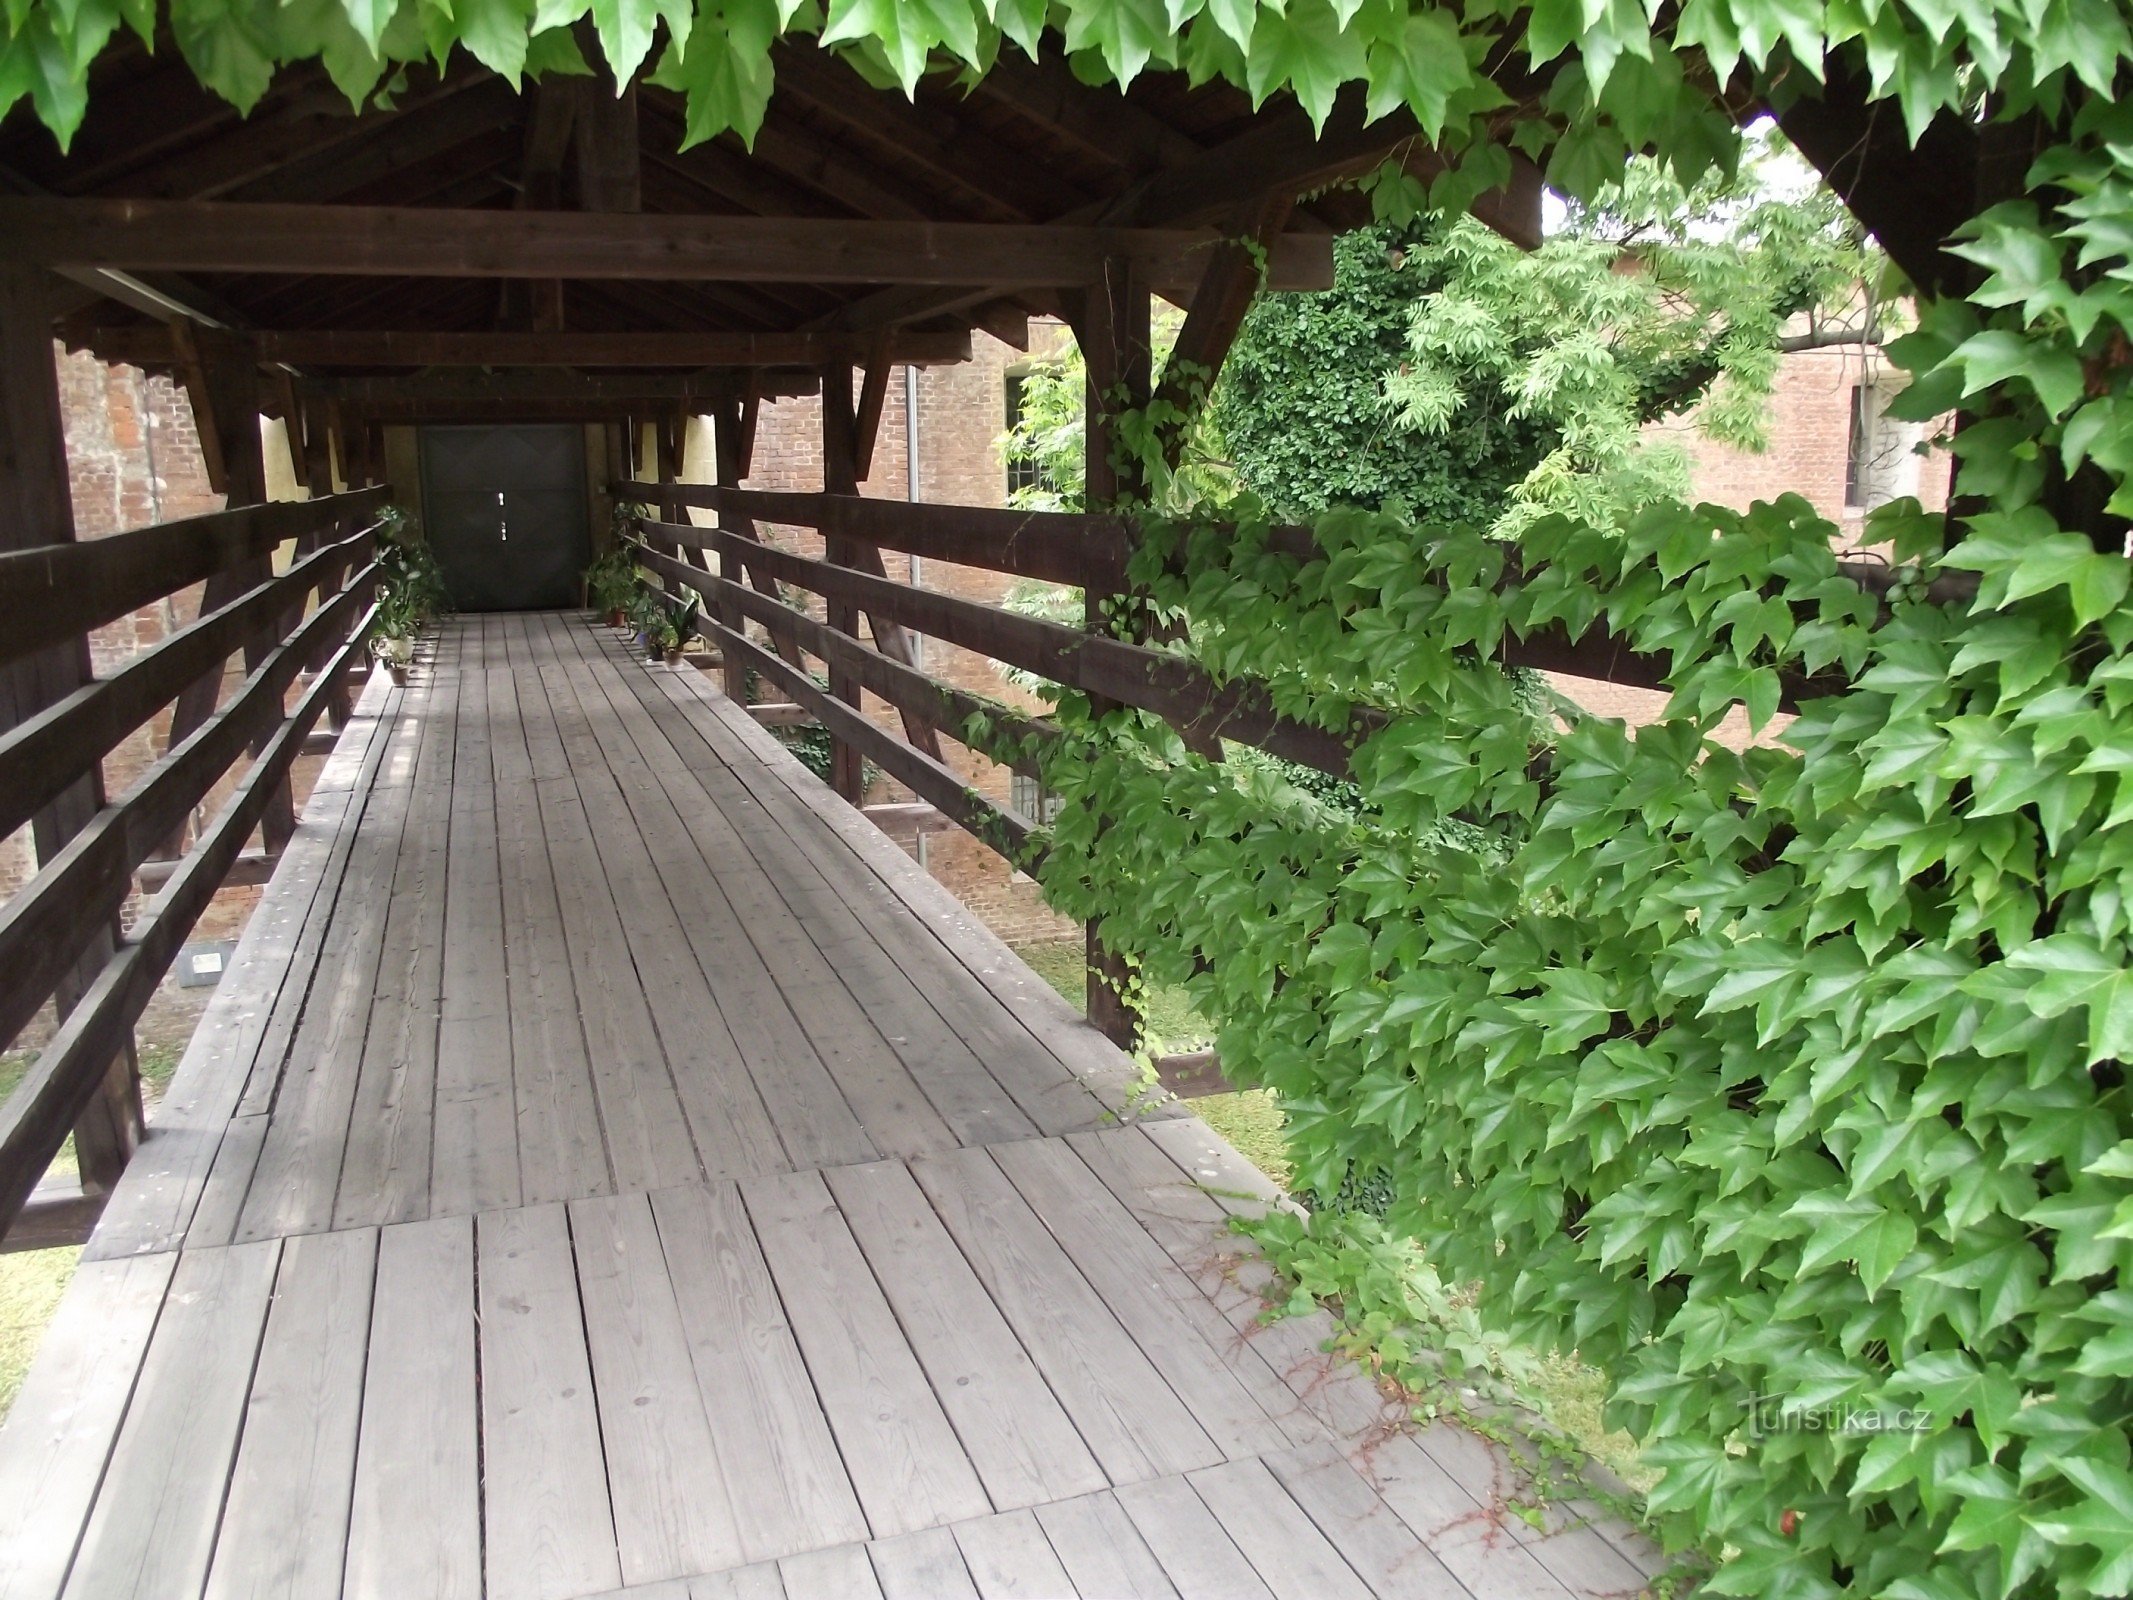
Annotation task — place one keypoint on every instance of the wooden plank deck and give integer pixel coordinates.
(611, 1167)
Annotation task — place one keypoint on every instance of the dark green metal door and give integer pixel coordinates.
(505, 510)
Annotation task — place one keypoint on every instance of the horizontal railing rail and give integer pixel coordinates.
(1087, 550)
(60, 938)
(1137, 675)
(57, 592)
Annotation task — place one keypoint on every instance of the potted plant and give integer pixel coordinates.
(611, 585)
(395, 652)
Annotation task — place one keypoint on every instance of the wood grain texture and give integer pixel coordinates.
(416, 1524)
(285, 1528)
(153, 1528)
(781, 1463)
(672, 1514)
(548, 1532)
(899, 1448)
(59, 1431)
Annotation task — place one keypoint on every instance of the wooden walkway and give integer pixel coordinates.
(609, 1166)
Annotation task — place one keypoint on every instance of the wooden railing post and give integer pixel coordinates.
(36, 509)
(1113, 330)
(726, 445)
(840, 475)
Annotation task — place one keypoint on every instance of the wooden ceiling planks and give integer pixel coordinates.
(491, 184)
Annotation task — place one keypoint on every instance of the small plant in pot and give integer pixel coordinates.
(611, 586)
(662, 641)
(395, 652)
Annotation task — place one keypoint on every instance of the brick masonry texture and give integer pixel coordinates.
(133, 458)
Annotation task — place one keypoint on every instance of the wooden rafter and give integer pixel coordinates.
(367, 240)
(157, 346)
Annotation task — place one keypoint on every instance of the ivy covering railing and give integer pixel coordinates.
(1781, 1082)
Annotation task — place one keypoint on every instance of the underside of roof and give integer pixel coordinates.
(1030, 144)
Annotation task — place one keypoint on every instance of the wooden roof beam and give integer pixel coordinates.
(1102, 123)
(648, 389)
(387, 146)
(156, 346)
(1006, 184)
(210, 236)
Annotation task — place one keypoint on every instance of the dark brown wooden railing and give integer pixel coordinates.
(59, 933)
(742, 580)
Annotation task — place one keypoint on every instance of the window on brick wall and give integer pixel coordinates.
(1035, 802)
(1876, 462)
(1024, 471)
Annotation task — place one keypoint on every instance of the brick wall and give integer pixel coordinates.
(1810, 441)
(133, 458)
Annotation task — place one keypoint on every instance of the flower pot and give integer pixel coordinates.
(399, 671)
(674, 656)
(614, 617)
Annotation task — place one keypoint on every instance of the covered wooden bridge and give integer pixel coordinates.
(608, 1163)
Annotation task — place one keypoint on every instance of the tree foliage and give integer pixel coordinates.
(1655, 302)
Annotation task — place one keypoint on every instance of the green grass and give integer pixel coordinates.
(30, 1286)
(1250, 1120)
(32, 1282)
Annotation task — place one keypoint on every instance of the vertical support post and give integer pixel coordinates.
(726, 445)
(1114, 333)
(308, 421)
(840, 475)
(36, 509)
(233, 393)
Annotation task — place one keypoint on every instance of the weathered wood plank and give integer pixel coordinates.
(284, 1530)
(788, 904)
(292, 1187)
(1200, 1561)
(899, 1448)
(908, 1100)
(922, 1566)
(1447, 1484)
(155, 1200)
(474, 1159)
(1010, 1559)
(672, 1513)
(151, 345)
(415, 1527)
(647, 1132)
(57, 592)
(59, 1432)
(1133, 1422)
(1021, 1442)
(830, 1104)
(390, 1138)
(1371, 1539)
(1281, 1542)
(562, 1154)
(781, 1464)
(548, 1532)
(1085, 1073)
(213, 236)
(842, 1573)
(1096, 1542)
(1237, 1401)
(1041, 1016)
(153, 1527)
